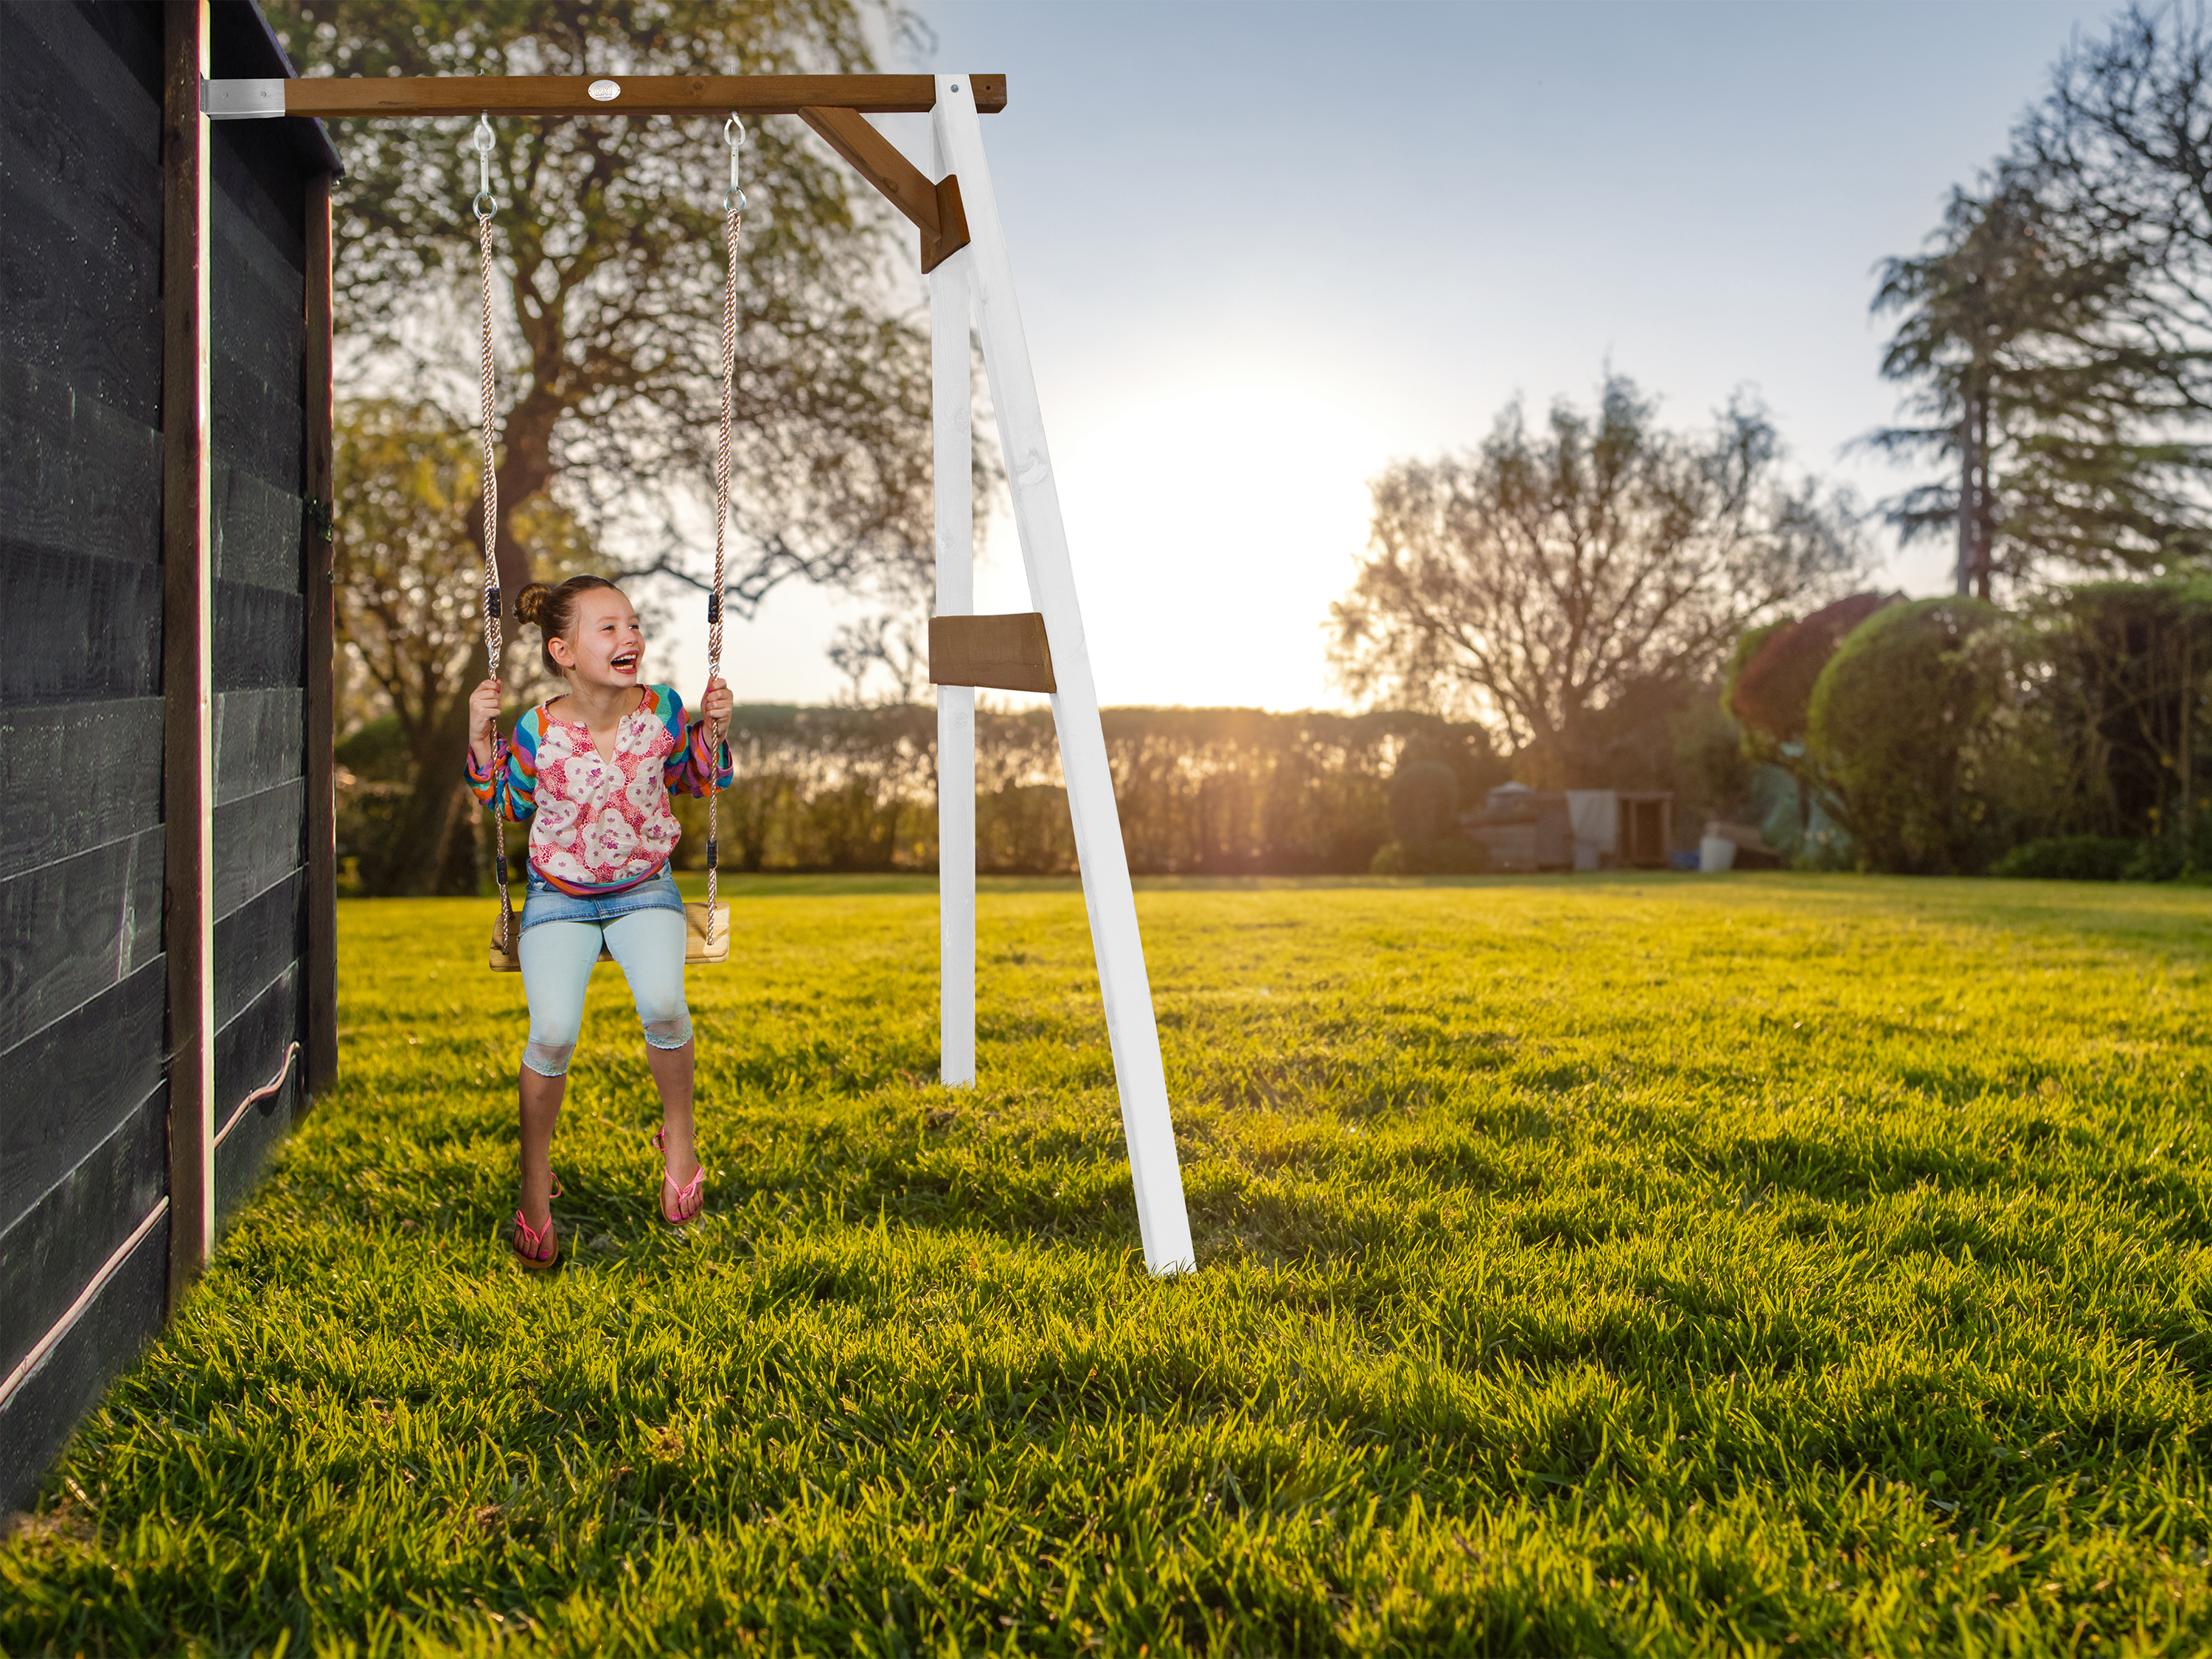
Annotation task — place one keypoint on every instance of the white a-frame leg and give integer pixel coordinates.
(952, 420)
(982, 270)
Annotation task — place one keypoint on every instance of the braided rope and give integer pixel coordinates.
(493, 645)
(732, 221)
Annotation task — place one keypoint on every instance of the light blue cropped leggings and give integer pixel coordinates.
(556, 966)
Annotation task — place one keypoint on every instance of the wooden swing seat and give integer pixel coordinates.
(696, 947)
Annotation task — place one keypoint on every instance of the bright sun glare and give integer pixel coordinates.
(1210, 528)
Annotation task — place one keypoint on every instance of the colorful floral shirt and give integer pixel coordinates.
(599, 826)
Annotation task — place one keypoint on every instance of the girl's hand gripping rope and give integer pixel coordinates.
(484, 711)
(714, 707)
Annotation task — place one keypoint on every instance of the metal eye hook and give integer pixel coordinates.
(485, 202)
(733, 135)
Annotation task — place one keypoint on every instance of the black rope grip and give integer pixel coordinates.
(491, 602)
(714, 608)
(714, 860)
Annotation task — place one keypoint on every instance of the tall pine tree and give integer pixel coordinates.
(2051, 412)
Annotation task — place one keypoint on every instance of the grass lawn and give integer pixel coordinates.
(1782, 1264)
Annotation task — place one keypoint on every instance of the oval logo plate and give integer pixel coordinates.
(605, 91)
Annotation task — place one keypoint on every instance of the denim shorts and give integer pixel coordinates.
(543, 901)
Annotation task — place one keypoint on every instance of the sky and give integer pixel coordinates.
(1263, 248)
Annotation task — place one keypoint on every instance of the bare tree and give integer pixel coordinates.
(898, 644)
(609, 259)
(609, 278)
(1550, 581)
(410, 476)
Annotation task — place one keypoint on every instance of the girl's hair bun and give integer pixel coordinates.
(554, 609)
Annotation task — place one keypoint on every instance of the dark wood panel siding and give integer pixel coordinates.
(258, 284)
(52, 1252)
(259, 739)
(75, 776)
(121, 1319)
(99, 623)
(256, 637)
(251, 1053)
(84, 1157)
(84, 990)
(80, 193)
(70, 930)
(81, 1076)
(253, 945)
(256, 531)
(257, 843)
(78, 474)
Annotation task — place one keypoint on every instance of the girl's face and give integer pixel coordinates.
(605, 648)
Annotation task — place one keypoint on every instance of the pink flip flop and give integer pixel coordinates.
(535, 1248)
(685, 1194)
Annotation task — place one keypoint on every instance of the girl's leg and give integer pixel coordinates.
(649, 946)
(557, 965)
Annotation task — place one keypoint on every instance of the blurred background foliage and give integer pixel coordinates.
(1201, 791)
(1589, 597)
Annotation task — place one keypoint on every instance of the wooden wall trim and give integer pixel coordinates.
(187, 614)
(322, 945)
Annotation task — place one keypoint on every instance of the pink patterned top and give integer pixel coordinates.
(597, 826)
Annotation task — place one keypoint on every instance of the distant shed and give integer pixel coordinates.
(166, 891)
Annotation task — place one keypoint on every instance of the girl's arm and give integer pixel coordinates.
(514, 792)
(701, 751)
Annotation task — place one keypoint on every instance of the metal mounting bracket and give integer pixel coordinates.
(242, 100)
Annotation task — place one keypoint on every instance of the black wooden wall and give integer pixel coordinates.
(84, 1034)
(258, 285)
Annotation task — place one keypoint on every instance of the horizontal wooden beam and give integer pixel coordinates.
(334, 96)
(1006, 652)
(933, 208)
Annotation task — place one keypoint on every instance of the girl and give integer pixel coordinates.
(590, 773)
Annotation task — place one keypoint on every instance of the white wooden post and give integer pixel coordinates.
(951, 417)
(1145, 1120)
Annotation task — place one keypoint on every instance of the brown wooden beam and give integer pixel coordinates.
(187, 613)
(331, 96)
(933, 208)
(1006, 652)
(321, 600)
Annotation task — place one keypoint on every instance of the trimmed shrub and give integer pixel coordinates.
(1921, 730)
(1775, 669)
(2070, 858)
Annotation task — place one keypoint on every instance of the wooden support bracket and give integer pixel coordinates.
(1007, 653)
(934, 209)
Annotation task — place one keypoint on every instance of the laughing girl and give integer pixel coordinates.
(590, 772)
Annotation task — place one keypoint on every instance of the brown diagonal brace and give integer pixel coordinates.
(934, 209)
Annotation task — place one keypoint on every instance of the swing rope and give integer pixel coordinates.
(733, 208)
(486, 205)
